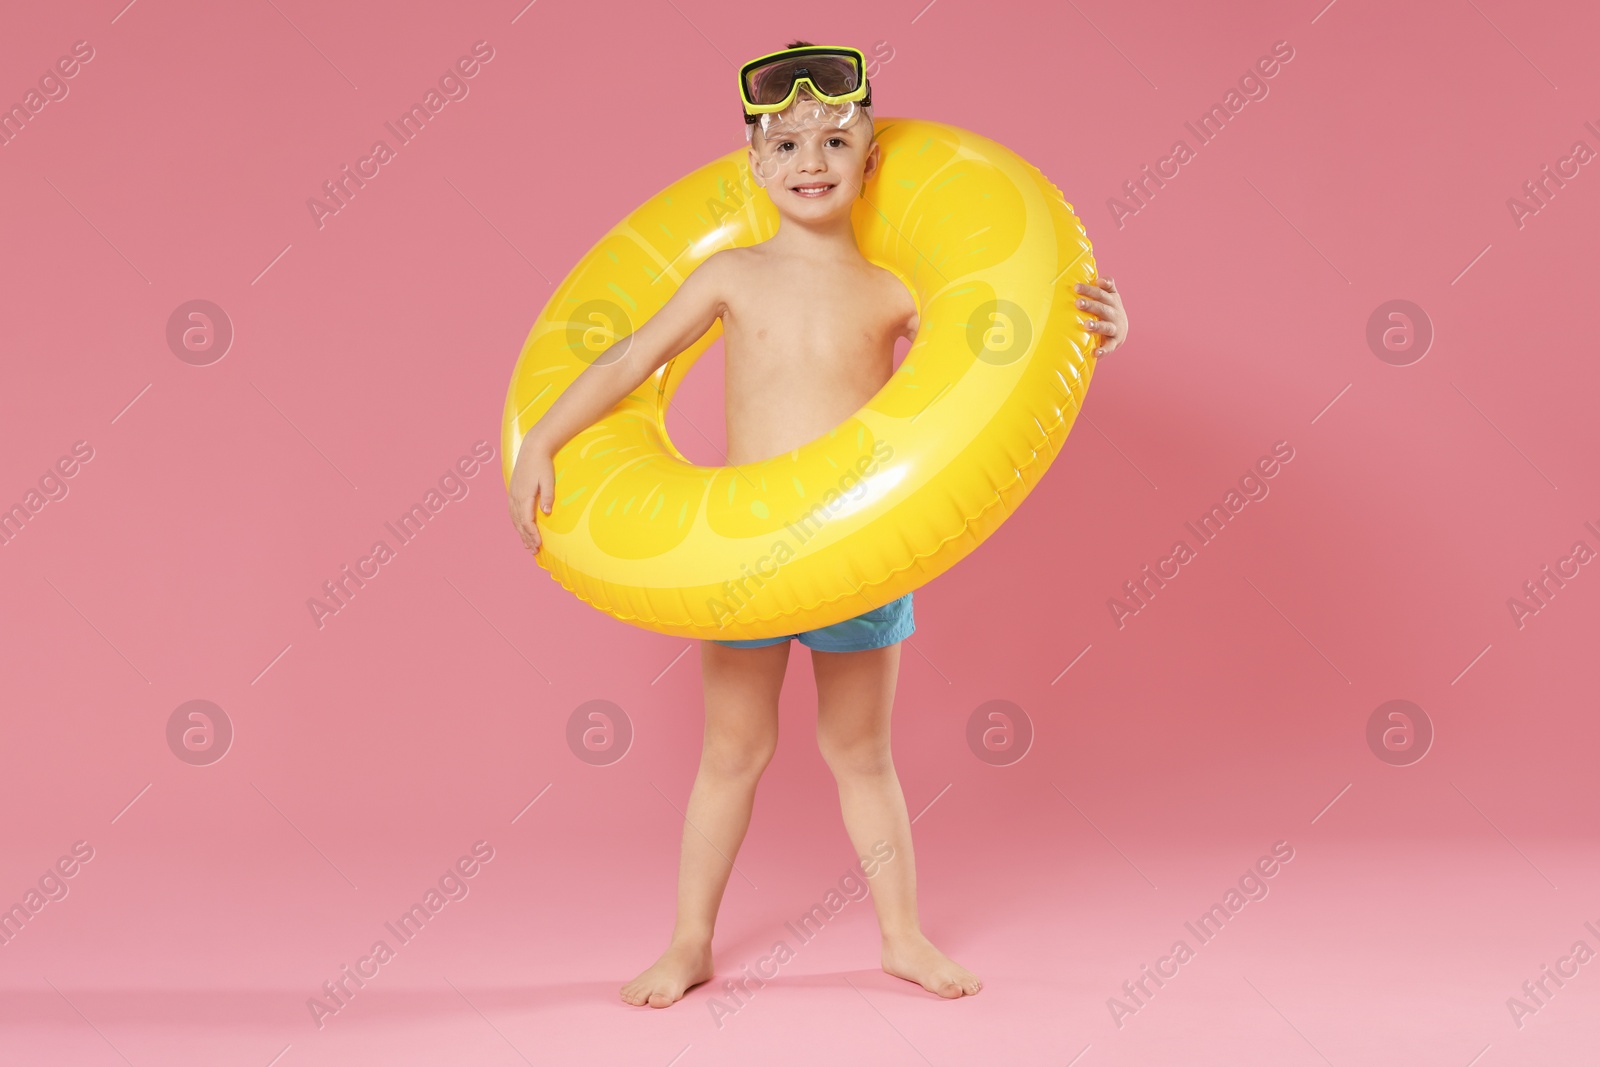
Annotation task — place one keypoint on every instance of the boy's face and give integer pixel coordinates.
(813, 159)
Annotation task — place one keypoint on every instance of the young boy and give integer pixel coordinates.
(809, 333)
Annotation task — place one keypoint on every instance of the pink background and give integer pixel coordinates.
(1228, 715)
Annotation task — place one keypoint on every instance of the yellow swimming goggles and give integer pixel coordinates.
(834, 75)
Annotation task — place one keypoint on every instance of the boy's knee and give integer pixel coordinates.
(856, 757)
(737, 757)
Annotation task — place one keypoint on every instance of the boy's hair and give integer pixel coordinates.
(872, 132)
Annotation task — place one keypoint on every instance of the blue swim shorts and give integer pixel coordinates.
(877, 628)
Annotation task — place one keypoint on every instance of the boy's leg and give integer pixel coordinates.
(741, 732)
(855, 695)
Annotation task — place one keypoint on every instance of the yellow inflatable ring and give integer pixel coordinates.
(892, 498)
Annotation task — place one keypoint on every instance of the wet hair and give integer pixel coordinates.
(755, 131)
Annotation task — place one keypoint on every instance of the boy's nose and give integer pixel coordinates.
(811, 157)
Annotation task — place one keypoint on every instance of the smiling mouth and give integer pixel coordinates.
(812, 191)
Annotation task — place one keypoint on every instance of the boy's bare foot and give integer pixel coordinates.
(915, 959)
(665, 981)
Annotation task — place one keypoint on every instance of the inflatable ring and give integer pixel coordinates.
(874, 508)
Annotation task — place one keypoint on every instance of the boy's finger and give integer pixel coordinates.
(1105, 311)
(1093, 291)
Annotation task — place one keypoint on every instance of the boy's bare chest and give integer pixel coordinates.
(824, 324)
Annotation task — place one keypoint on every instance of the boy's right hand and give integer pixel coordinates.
(533, 483)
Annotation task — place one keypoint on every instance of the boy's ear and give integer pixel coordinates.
(874, 157)
(755, 167)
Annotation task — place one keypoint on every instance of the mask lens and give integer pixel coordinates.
(832, 75)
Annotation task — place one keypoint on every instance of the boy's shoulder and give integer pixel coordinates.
(736, 257)
(726, 268)
(724, 263)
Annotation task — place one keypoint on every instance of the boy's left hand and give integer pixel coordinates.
(1103, 300)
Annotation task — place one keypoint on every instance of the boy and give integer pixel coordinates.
(809, 333)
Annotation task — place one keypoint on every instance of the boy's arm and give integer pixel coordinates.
(625, 365)
(615, 373)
